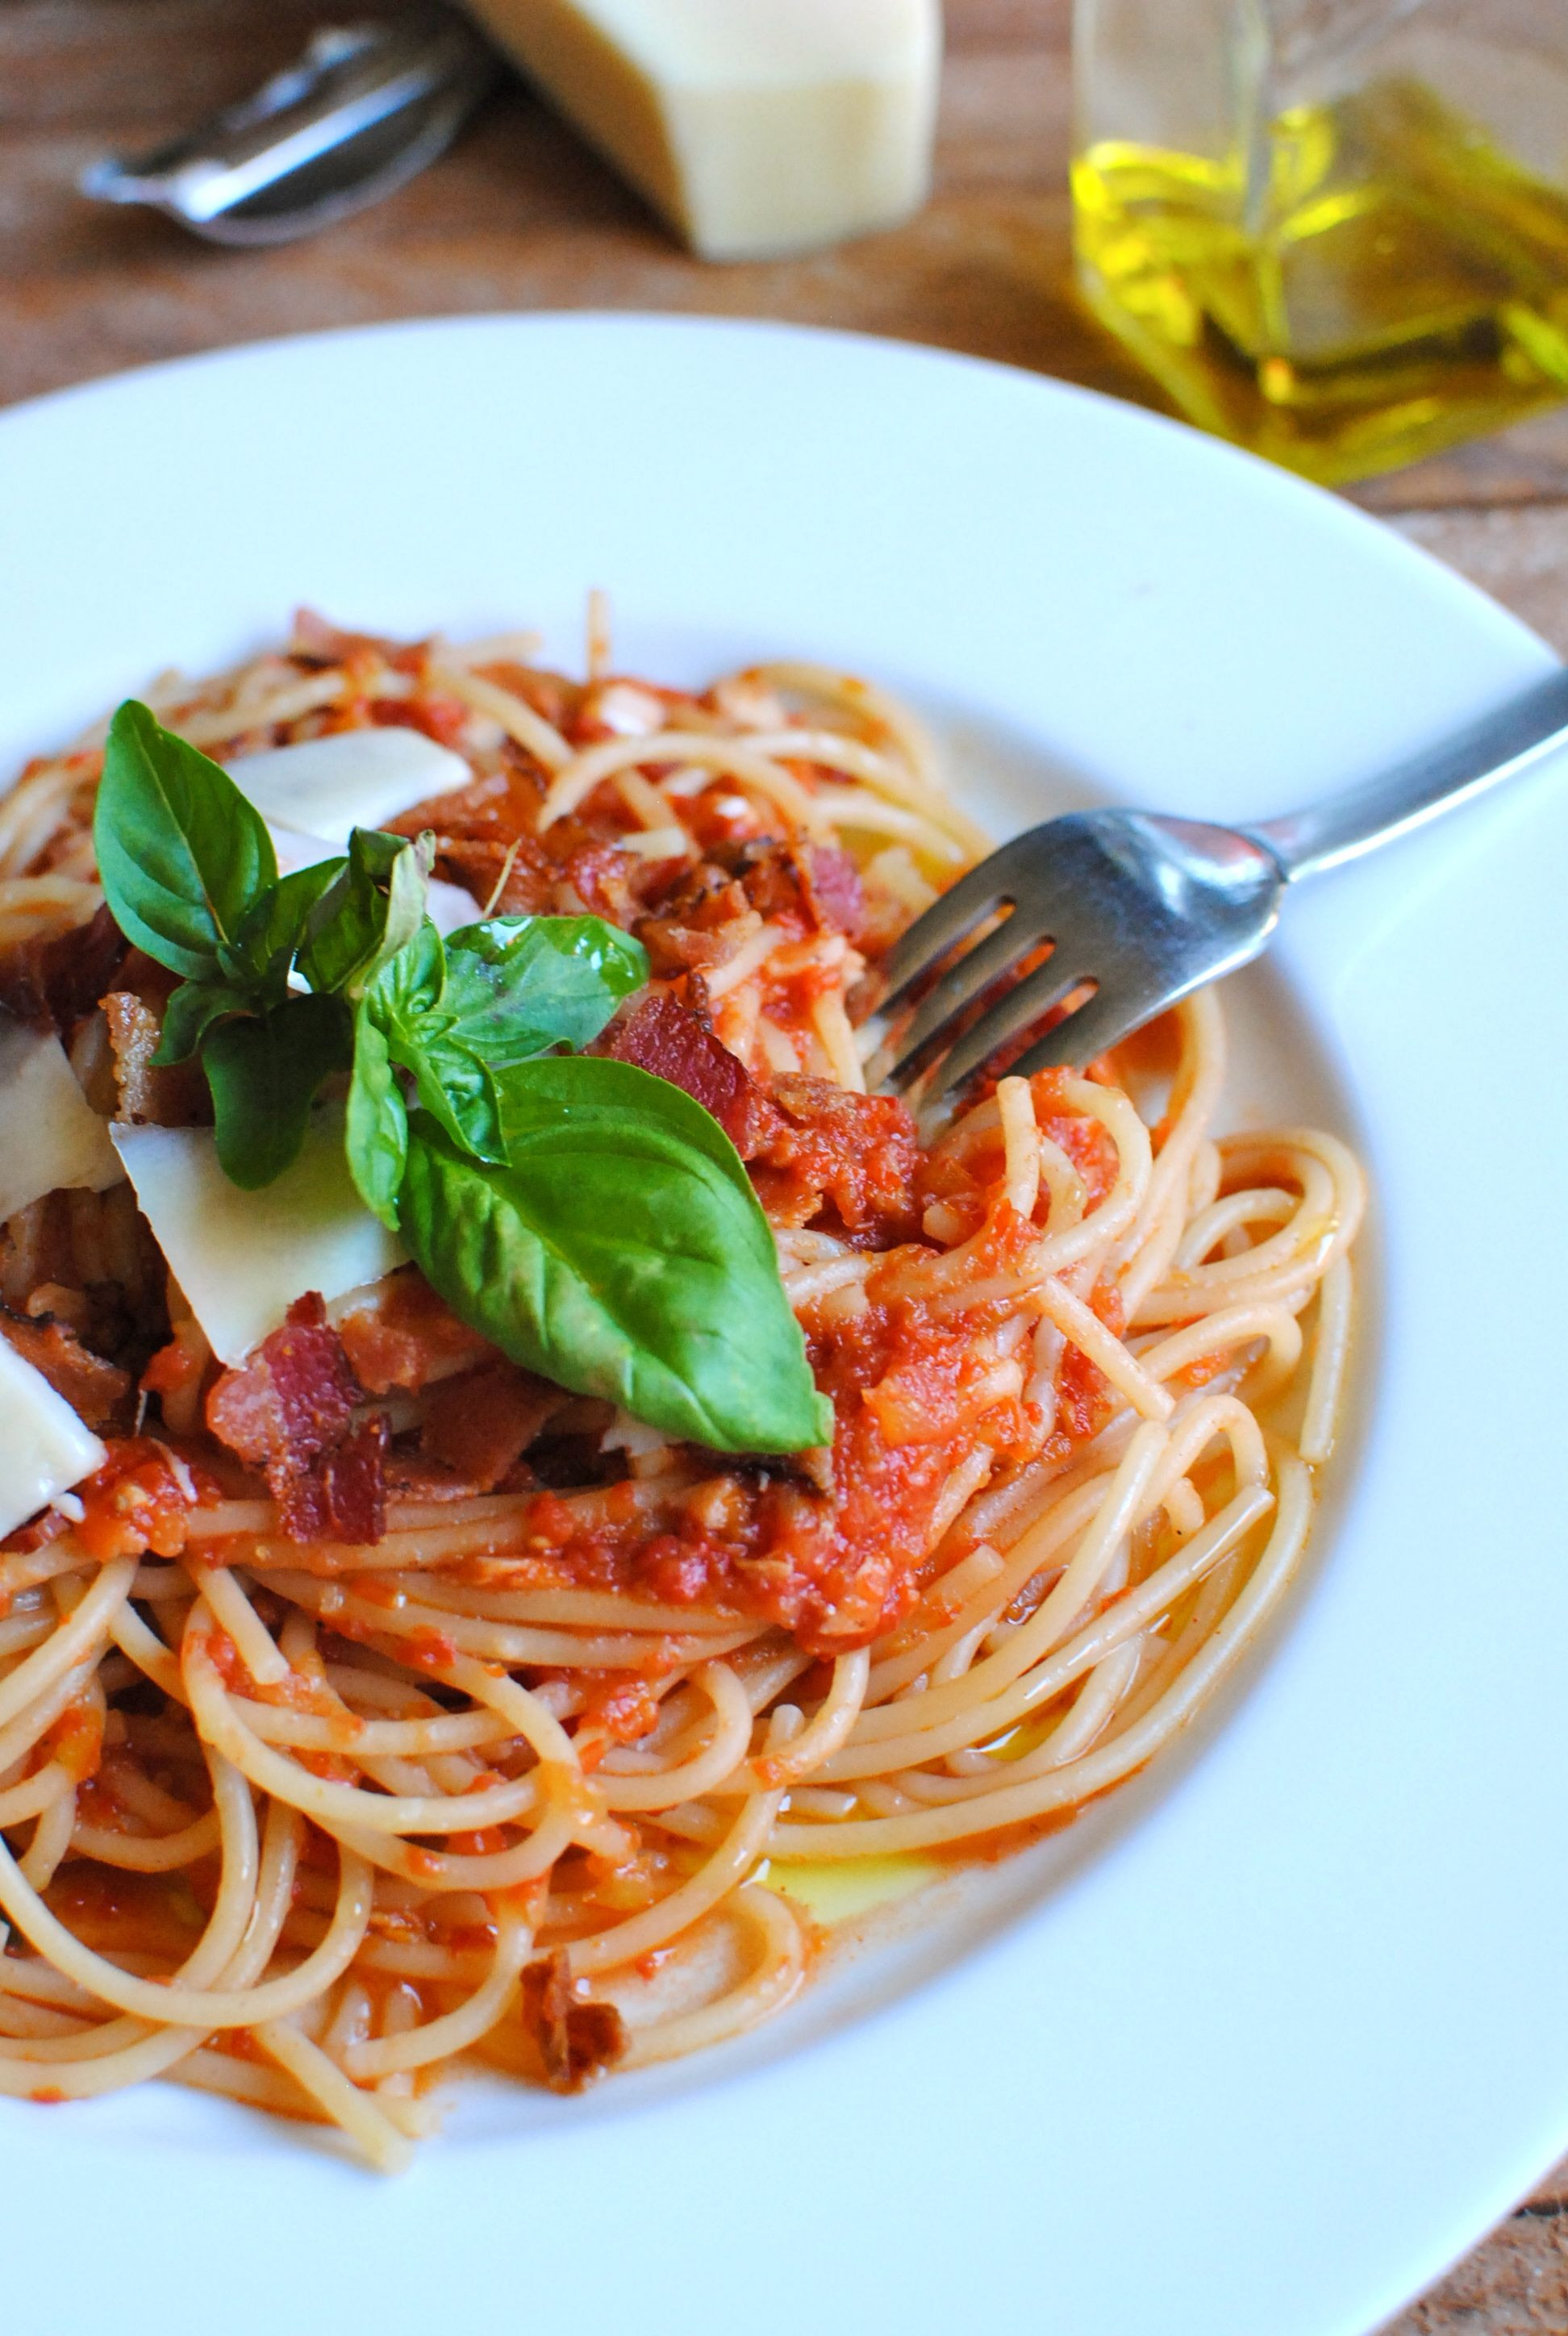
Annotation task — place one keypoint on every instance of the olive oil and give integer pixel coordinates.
(1373, 280)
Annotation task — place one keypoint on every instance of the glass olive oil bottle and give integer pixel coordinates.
(1346, 281)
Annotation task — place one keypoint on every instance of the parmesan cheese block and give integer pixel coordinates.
(243, 1258)
(354, 778)
(50, 1139)
(757, 127)
(43, 1447)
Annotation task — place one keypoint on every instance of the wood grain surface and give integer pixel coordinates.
(521, 215)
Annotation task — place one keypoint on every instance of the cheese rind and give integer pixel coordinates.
(352, 778)
(757, 127)
(49, 1137)
(243, 1258)
(43, 1447)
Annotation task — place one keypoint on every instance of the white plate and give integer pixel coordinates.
(1281, 2049)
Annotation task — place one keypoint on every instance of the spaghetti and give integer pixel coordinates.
(517, 1782)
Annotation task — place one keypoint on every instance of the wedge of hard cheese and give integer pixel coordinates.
(755, 126)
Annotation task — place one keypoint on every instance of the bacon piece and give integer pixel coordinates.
(816, 885)
(576, 2041)
(290, 1412)
(481, 1424)
(96, 1390)
(177, 1097)
(405, 1337)
(342, 1496)
(675, 949)
(35, 1535)
(601, 878)
(667, 1038)
(833, 889)
(856, 1155)
(526, 877)
(53, 983)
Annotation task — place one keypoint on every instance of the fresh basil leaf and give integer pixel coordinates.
(181, 853)
(412, 983)
(375, 1131)
(408, 1002)
(554, 1087)
(191, 1013)
(454, 1086)
(374, 908)
(519, 984)
(620, 1260)
(264, 1073)
(274, 927)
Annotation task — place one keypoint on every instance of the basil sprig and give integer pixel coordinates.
(270, 965)
(593, 1221)
(458, 1017)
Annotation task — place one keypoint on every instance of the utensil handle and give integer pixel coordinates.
(1324, 835)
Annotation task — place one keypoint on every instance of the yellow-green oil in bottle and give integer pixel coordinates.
(1376, 281)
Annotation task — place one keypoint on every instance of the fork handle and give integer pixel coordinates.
(1324, 835)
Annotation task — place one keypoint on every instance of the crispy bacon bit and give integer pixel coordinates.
(833, 888)
(577, 2041)
(525, 875)
(405, 1337)
(343, 1495)
(667, 1038)
(96, 1390)
(35, 1535)
(53, 983)
(855, 1155)
(290, 1412)
(165, 1098)
(601, 878)
(483, 1422)
(675, 949)
(813, 886)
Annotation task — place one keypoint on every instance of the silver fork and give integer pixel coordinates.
(1149, 908)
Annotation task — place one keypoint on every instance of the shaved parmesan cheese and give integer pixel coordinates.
(354, 778)
(243, 1258)
(447, 905)
(43, 1447)
(49, 1138)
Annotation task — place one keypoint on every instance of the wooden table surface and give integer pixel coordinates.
(520, 215)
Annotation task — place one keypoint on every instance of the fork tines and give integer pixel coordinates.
(1007, 884)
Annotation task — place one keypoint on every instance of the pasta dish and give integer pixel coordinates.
(513, 1449)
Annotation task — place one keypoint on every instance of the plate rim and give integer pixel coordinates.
(1507, 634)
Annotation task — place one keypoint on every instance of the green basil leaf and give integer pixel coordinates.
(374, 908)
(274, 927)
(620, 1260)
(412, 984)
(191, 1013)
(375, 1131)
(408, 1003)
(519, 984)
(454, 1086)
(264, 1073)
(181, 853)
(535, 1095)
